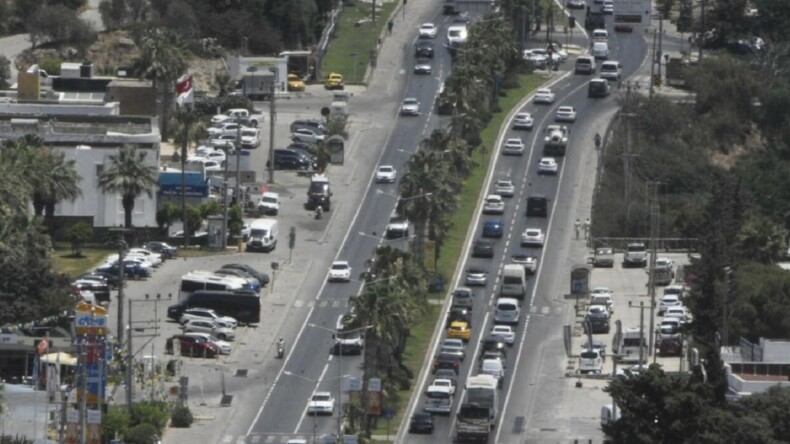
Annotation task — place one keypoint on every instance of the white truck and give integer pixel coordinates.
(630, 12)
(477, 415)
(243, 115)
(556, 140)
(635, 255)
(629, 347)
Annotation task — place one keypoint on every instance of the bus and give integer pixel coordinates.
(206, 280)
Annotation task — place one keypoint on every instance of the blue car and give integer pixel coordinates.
(493, 228)
(131, 270)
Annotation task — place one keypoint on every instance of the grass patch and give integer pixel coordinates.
(65, 263)
(422, 333)
(357, 39)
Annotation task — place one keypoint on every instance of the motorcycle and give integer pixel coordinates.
(280, 349)
(319, 211)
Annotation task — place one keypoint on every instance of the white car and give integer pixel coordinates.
(250, 138)
(505, 332)
(532, 237)
(386, 174)
(224, 129)
(206, 314)
(340, 272)
(307, 135)
(505, 188)
(269, 203)
(565, 114)
(608, 7)
(144, 261)
(513, 146)
(530, 263)
(601, 291)
(677, 311)
(423, 66)
(427, 31)
(538, 60)
(440, 382)
(547, 165)
(211, 153)
(668, 300)
(523, 120)
(397, 227)
(543, 95)
(493, 204)
(224, 347)
(321, 403)
(410, 107)
(154, 258)
(208, 326)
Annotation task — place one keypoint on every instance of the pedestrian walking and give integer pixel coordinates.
(389, 26)
(578, 226)
(587, 228)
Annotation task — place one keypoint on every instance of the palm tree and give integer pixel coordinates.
(52, 177)
(130, 176)
(162, 60)
(184, 118)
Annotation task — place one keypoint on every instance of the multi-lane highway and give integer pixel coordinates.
(309, 365)
(539, 345)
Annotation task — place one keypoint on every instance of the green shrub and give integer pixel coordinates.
(182, 416)
(155, 413)
(51, 66)
(140, 434)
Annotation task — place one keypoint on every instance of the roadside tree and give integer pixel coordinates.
(129, 175)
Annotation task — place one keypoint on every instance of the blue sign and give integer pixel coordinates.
(194, 184)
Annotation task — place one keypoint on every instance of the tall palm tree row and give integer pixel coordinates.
(129, 175)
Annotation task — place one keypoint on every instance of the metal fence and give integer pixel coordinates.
(665, 244)
(326, 35)
(750, 352)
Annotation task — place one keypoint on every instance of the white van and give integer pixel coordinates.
(600, 50)
(600, 35)
(611, 70)
(506, 311)
(514, 281)
(585, 65)
(263, 235)
(609, 414)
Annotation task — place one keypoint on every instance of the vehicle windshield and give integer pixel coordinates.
(589, 355)
(259, 232)
(437, 395)
(339, 266)
(506, 307)
(473, 412)
(320, 397)
(636, 248)
(269, 199)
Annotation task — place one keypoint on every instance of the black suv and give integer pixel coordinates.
(288, 160)
(424, 48)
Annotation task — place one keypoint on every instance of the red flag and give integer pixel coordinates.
(184, 89)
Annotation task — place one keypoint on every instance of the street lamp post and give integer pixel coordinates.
(224, 244)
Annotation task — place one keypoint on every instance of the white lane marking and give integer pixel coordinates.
(227, 439)
(299, 303)
(317, 383)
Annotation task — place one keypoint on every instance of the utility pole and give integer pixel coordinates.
(84, 383)
(642, 308)
(701, 40)
(225, 200)
(184, 146)
(238, 162)
(121, 275)
(272, 115)
(654, 216)
(660, 42)
(129, 365)
(653, 67)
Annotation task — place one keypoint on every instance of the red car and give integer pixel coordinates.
(670, 347)
(192, 346)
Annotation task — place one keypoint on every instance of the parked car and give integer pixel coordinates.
(668, 300)
(295, 83)
(191, 346)
(131, 269)
(103, 278)
(167, 251)
(334, 81)
(307, 135)
(224, 347)
(262, 277)
(209, 326)
(206, 314)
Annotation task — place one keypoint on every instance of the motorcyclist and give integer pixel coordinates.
(319, 211)
(281, 347)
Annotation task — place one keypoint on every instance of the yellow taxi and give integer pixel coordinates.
(459, 330)
(335, 81)
(295, 83)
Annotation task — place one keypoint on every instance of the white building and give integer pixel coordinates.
(89, 134)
